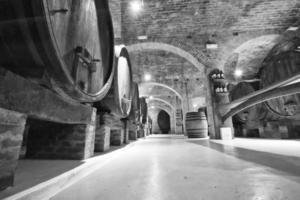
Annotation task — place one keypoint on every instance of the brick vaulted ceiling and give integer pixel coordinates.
(190, 24)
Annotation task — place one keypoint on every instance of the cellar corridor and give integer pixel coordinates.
(150, 100)
(163, 167)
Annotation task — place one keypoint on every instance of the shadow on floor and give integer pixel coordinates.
(283, 163)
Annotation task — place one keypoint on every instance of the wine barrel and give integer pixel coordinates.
(163, 120)
(283, 62)
(118, 100)
(196, 125)
(67, 45)
(144, 110)
(251, 116)
(135, 104)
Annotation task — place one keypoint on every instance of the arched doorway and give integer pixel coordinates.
(164, 122)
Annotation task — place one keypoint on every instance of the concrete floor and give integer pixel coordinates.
(174, 168)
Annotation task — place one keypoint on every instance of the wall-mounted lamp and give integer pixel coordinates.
(147, 77)
(238, 73)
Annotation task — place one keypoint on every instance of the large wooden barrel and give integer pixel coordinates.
(196, 125)
(164, 123)
(283, 62)
(66, 45)
(251, 116)
(118, 100)
(144, 110)
(135, 103)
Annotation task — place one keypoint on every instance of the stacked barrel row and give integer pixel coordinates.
(67, 48)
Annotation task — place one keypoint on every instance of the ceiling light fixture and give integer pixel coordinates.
(293, 28)
(136, 6)
(142, 37)
(211, 45)
(238, 73)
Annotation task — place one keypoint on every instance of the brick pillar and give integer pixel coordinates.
(133, 134)
(117, 137)
(48, 140)
(102, 135)
(12, 126)
(215, 106)
(126, 131)
(141, 132)
(102, 139)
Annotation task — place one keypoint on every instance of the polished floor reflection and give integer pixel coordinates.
(175, 168)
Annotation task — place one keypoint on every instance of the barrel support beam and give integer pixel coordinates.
(260, 98)
(282, 83)
(21, 95)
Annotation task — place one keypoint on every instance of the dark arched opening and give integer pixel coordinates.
(164, 122)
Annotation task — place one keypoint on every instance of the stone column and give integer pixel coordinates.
(215, 106)
(220, 100)
(210, 107)
(48, 140)
(12, 125)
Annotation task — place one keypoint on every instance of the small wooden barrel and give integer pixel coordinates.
(283, 62)
(144, 110)
(66, 45)
(163, 120)
(119, 98)
(196, 125)
(135, 104)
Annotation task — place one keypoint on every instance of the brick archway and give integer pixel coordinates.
(145, 84)
(168, 48)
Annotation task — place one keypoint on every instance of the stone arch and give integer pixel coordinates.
(164, 102)
(145, 84)
(201, 66)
